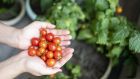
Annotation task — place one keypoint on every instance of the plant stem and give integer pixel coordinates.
(108, 70)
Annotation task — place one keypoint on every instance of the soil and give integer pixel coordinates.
(10, 10)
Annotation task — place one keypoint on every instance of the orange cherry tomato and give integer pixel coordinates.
(41, 50)
(56, 40)
(58, 48)
(50, 62)
(32, 52)
(43, 32)
(43, 57)
(57, 55)
(43, 44)
(49, 54)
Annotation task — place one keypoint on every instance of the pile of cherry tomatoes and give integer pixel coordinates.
(47, 47)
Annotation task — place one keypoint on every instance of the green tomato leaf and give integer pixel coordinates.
(104, 24)
(116, 51)
(84, 34)
(134, 43)
(102, 37)
(120, 35)
(101, 4)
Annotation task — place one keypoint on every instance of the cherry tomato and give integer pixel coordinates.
(56, 40)
(32, 52)
(119, 10)
(38, 53)
(43, 44)
(49, 54)
(49, 37)
(41, 50)
(31, 47)
(42, 39)
(57, 55)
(51, 46)
(50, 62)
(43, 57)
(35, 41)
(58, 48)
(43, 31)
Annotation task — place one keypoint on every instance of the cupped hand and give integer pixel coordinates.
(36, 66)
(32, 30)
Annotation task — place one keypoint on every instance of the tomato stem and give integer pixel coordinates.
(108, 70)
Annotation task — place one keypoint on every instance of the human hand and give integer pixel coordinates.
(36, 66)
(32, 30)
(22, 62)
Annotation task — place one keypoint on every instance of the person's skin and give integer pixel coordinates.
(20, 38)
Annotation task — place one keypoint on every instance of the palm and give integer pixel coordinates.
(37, 67)
(32, 30)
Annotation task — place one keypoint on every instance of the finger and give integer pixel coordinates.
(65, 37)
(65, 43)
(67, 51)
(68, 54)
(50, 71)
(43, 24)
(59, 32)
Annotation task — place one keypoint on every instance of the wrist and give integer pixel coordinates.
(17, 38)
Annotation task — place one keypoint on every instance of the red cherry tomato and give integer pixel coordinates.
(43, 44)
(35, 41)
(43, 57)
(41, 50)
(57, 55)
(49, 37)
(56, 40)
(49, 54)
(43, 31)
(58, 48)
(32, 52)
(50, 62)
(51, 46)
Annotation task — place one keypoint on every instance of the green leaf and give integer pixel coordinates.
(114, 21)
(116, 51)
(76, 71)
(84, 34)
(120, 35)
(101, 4)
(104, 24)
(102, 37)
(134, 43)
(100, 15)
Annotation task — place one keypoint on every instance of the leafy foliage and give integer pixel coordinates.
(105, 29)
(65, 14)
